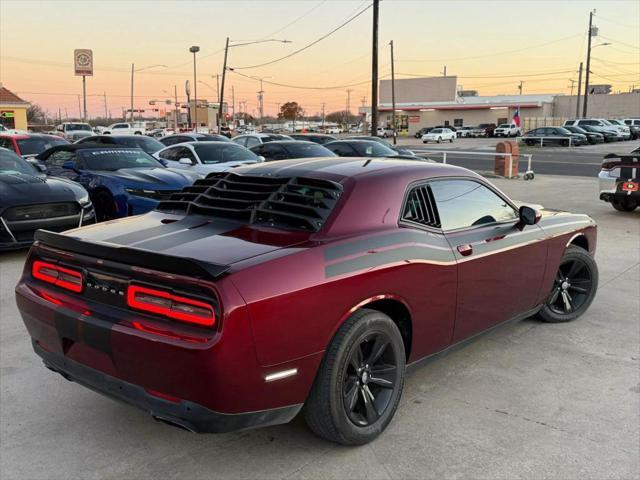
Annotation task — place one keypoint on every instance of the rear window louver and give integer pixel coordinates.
(421, 207)
(286, 202)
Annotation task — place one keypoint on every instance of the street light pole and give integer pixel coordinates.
(579, 87)
(393, 97)
(586, 76)
(224, 72)
(132, 70)
(195, 49)
(374, 70)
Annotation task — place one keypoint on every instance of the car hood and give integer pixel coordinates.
(208, 239)
(149, 177)
(22, 189)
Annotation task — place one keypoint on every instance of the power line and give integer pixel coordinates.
(306, 87)
(295, 21)
(517, 75)
(271, 62)
(635, 47)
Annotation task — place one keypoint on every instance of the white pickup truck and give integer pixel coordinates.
(507, 130)
(124, 129)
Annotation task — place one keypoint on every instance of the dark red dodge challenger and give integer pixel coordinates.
(292, 284)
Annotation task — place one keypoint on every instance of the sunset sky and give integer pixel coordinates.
(490, 45)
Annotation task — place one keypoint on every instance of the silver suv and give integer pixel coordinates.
(601, 123)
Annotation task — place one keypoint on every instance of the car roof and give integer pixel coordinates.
(339, 169)
(289, 142)
(207, 142)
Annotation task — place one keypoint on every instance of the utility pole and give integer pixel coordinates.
(175, 95)
(131, 111)
(233, 105)
(579, 87)
(221, 90)
(348, 112)
(520, 86)
(195, 49)
(586, 76)
(444, 71)
(393, 95)
(374, 69)
(106, 115)
(261, 102)
(573, 82)
(323, 104)
(79, 108)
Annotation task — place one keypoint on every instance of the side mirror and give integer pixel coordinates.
(185, 161)
(261, 158)
(528, 216)
(69, 165)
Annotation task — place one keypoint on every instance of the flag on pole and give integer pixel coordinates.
(516, 117)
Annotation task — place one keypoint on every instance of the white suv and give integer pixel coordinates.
(507, 130)
(634, 126)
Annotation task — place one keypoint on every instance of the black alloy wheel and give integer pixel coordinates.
(369, 379)
(358, 386)
(574, 287)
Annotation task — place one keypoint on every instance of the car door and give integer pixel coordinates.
(500, 264)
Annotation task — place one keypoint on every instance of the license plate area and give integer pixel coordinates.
(105, 288)
(630, 186)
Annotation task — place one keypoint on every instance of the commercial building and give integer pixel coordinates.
(430, 101)
(13, 110)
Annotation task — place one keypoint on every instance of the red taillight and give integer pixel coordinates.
(56, 275)
(169, 305)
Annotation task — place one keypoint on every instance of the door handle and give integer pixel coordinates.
(465, 250)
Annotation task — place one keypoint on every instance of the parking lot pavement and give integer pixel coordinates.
(527, 400)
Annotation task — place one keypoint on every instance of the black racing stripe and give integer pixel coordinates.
(362, 245)
(390, 256)
(139, 235)
(66, 324)
(173, 240)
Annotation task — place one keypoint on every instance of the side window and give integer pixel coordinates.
(466, 203)
(274, 152)
(260, 150)
(169, 141)
(57, 159)
(342, 150)
(241, 141)
(121, 125)
(187, 153)
(252, 142)
(420, 207)
(169, 154)
(457, 122)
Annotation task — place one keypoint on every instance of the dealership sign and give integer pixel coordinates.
(83, 62)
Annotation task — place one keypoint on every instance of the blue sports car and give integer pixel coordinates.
(121, 181)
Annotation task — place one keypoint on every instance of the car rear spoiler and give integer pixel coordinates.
(133, 256)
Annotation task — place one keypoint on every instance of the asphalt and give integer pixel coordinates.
(528, 400)
(477, 154)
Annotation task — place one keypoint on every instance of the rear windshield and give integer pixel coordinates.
(373, 149)
(37, 145)
(305, 150)
(223, 152)
(146, 144)
(111, 160)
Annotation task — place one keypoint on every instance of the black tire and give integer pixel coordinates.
(439, 140)
(531, 143)
(336, 409)
(565, 143)
(574, 287)
(104, 206)
(451, 140)
(624, 205)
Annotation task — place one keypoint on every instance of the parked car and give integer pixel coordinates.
(225, 131)
(622, 127)
(484, 130)
(31, 144)
(619, 181)
(422, 131)
(554, 136)
(384, 132)
(124, 128)
(121, 181)
(146, 144)
(333, 130)
(199, 304)
(592, 137)
(30, 201)
(601, 123)
(608, 134)
(73, 131)
(251, 140)
(366, 148)
(319, 138)
(399, 150)
(462, 132)
(286, 149)
(206, 157)
(192, 137)
(507, 130)
(634, 127)
(438, 135)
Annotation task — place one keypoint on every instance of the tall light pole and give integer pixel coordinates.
(393, 96)
(374, 70)
(586, 77)
(133, 70)
(579, 87)
(195, 49)
(224, 67)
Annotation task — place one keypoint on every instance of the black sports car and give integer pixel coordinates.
(29, 200)
(286, 149)
(320, 138)
(352, 147)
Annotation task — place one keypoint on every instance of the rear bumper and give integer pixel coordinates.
(188, 415)
(610, 188)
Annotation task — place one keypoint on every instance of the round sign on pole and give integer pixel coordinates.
(187, 87)
(83, 62)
